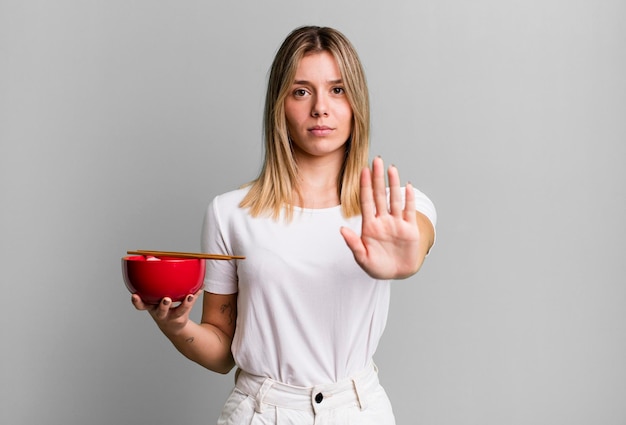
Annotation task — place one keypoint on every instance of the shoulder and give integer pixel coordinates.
(225, 207)
(229, 200)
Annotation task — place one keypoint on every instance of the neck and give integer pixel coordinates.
(318, 183)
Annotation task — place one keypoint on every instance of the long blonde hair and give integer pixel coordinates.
(278, 181)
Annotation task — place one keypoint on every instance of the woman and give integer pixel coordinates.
(302, 315)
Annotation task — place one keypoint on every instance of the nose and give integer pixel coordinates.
(319, 107)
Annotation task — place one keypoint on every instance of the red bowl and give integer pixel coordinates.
(153, 279)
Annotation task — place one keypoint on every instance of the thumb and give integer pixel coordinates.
(353, 241)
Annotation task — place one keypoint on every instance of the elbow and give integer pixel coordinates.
(224, 367)
(224, 370)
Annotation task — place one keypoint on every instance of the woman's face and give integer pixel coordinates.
(319, 116)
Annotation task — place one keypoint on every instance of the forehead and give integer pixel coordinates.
(318, 65)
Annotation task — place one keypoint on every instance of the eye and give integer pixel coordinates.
(338, 90)
(299, 92)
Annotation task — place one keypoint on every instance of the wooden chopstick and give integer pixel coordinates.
(186, 255)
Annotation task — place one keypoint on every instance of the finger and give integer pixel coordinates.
(367, 198)
(185, 306)
(395, 192)
(409, 206)
(378, 186)
(161, 310)
(138, 302)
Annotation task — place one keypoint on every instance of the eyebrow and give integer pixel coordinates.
(305, 82)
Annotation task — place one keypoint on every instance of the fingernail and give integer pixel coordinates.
(166, 302)
(190, 298)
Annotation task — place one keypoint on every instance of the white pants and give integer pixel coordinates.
(262, 401)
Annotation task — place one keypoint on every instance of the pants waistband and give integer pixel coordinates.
(347, 392)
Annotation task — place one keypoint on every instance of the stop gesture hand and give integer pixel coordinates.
(390, 245)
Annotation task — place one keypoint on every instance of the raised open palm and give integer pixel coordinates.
(389, 244)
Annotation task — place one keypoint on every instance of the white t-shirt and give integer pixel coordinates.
(307, 313)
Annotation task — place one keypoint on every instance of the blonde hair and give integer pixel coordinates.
(278, 181)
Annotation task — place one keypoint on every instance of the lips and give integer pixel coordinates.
(320, 130)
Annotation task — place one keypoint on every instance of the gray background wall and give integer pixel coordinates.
(119, 120)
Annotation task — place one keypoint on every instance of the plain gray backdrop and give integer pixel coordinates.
(120, 120)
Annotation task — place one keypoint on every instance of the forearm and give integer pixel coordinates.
(204, 344)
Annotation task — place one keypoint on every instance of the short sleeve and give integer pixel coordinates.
(424, 205)
(221, 276)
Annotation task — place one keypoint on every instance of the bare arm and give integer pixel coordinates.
(427, 237)
(207, 343)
